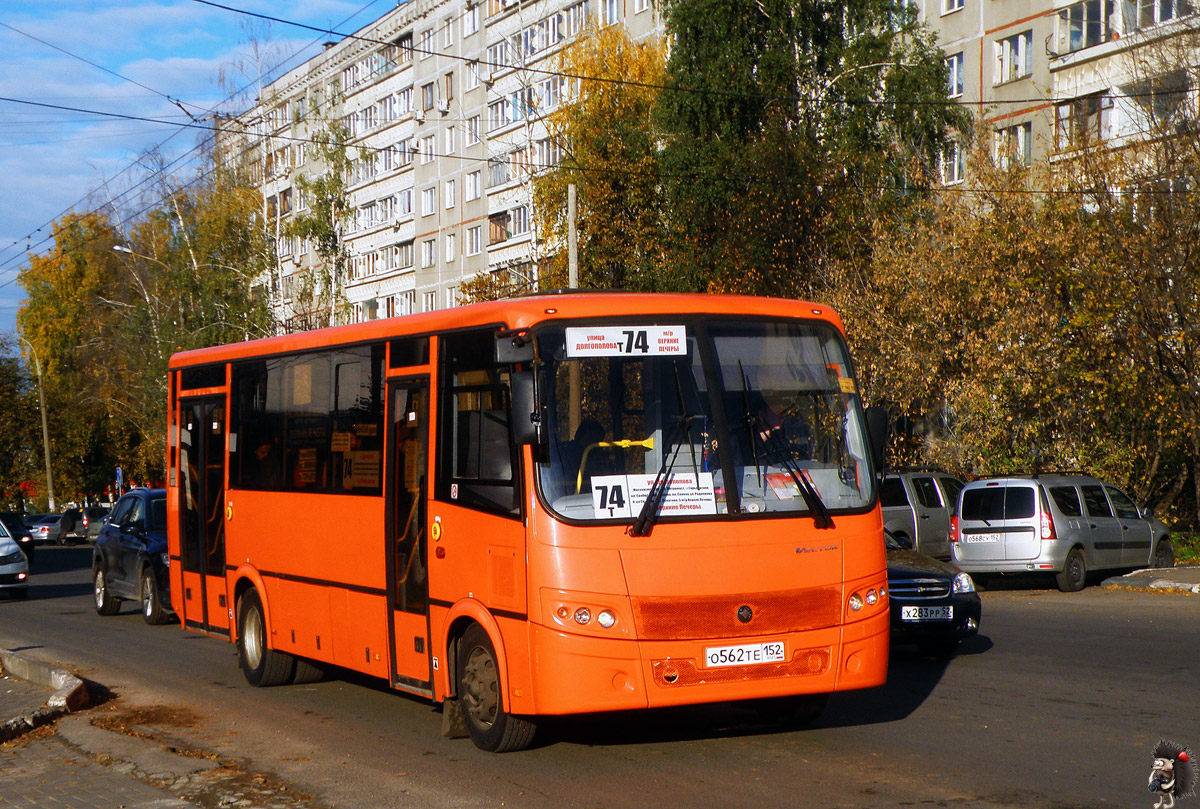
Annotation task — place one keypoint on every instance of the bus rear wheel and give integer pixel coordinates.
(480, 695)
(261, 665)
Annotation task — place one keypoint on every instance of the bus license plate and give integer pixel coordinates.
(748, 654)
(927, 613)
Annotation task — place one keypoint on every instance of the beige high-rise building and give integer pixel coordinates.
(444, 101)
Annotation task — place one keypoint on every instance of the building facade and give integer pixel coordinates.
(444, 104)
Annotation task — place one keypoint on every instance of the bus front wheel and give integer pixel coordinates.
(490, 727)
(261, 665)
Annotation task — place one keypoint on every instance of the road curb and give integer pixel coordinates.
(70, 693)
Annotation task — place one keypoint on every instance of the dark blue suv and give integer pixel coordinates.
(130, 558)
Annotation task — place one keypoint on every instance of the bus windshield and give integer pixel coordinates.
(708, 418)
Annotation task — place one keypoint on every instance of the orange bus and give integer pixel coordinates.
(550, 505)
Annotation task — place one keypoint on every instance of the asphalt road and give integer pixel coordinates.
(1057, 704)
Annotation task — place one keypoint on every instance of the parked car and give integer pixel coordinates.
(14, 568)
(71, 526)
(33, 519)
(917, 506)
(48, 529)
(1068, 525)
(14, 523)
(129, 561)
(93, 520)
(933, 604)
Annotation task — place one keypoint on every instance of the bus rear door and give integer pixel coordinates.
(202, 514)
(408, 568)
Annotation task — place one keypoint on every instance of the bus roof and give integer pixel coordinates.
(513, 313)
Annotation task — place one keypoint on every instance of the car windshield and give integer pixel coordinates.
(747, 417)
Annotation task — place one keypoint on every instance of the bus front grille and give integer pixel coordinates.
(697, 617)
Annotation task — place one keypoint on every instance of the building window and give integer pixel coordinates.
(451, 247)
(641, 5)
(1014, 57)
(448, 193)
(427, 44)
(1083, 120)
(428, 146)
(471, 20)
(429, 301)
(498, 228)
(428, 200)
(427, 96)
(402, 255)
(949, 6)
(1014, 143)
(404, 203)
(449, 141)
(473, 186)
(610, 12)
(954, 75)
(1155, 12)
(1084, 25)
(498, 114)
(473, 130)
(447, 32)
(518, 220)
(953, 164)
(474, 240)
(428, 253)
(497, 171)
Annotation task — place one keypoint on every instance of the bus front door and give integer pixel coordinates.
(202, 514)
(408, 590)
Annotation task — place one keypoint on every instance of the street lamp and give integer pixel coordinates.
(45, 429)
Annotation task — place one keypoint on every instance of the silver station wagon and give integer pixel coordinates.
(1068, 525)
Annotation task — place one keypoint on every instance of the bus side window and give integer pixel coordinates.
(476, 462)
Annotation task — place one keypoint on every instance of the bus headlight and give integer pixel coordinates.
(872, 597)
(606, 619)
(582, 616)
(856, 602)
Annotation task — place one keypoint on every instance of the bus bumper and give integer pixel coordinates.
(578, 674)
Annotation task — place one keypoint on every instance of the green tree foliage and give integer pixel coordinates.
(787, 123)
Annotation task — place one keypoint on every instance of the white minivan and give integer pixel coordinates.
(1067, 525)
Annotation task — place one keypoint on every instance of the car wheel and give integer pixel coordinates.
(490, 726)
(153, 610)
(1073, 577)
(106, 602)
(1164, 554)
(261, 665)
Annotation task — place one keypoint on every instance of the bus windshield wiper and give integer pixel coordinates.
(760, 432)
(644, 523)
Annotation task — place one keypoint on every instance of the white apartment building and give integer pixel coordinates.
(1043, 76)
(444, 101)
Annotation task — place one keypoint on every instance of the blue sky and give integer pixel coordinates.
(54, 160)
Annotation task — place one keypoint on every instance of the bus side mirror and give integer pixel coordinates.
(526, 415)
(877, 433)
(513, 348)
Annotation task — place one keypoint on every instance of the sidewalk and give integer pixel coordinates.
(60, 767)
(1170, 579)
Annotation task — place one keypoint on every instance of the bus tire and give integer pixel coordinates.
(481, 697)
(307, 672)
(106, 602)
(153, 611)
(262, 665)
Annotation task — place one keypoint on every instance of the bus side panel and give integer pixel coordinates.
(300, 619)
(358, 625)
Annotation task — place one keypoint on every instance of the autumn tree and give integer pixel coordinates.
(319, 299)
(609, 151)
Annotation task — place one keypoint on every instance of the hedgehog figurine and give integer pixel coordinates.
(1172, 774)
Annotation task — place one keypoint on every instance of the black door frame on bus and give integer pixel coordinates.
(393, 483)
(199, 451)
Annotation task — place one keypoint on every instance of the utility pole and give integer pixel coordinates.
(45, 428)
